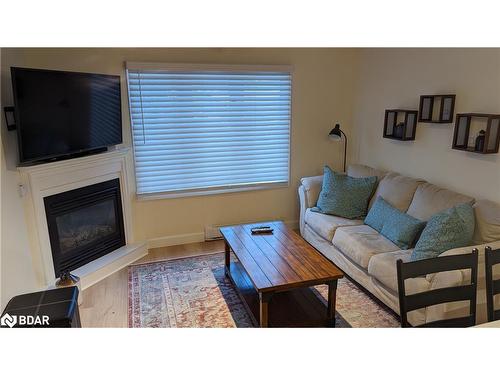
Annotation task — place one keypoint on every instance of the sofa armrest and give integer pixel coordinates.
(309, 190)
(312, 188)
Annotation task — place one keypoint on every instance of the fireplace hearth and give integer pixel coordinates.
(84, 224)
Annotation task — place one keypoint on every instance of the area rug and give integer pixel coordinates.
(193, 292)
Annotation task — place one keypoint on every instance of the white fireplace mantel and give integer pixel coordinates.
(40, 181)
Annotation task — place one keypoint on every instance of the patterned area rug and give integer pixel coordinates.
(193, 292)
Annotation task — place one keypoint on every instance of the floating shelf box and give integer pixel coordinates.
(407, 117)
(446, 104)
(491, 126)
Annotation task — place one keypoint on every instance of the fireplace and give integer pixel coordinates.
(84, 224)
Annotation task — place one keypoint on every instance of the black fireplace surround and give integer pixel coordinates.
(84, 224)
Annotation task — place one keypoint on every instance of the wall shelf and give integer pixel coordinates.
(474, 123)
(400, 124)
(436, 109)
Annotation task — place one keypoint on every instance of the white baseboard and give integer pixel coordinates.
(182, 239)
(176, 239)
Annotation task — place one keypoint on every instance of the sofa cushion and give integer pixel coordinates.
(397, 190)
(382, 267)
(359, 243)
(487, 222)
(430, 199)
(358, 171)
(345, 196)
(449, 229)
(325, 225)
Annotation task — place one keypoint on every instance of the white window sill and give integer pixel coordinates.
(212, 191)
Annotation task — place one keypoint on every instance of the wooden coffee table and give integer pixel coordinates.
(274, 273)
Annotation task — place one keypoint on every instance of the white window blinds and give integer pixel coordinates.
(203, 128)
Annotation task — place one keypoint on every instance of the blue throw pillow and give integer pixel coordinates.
(446, 230)
(345, 196)
(400, 228)
(377, 214)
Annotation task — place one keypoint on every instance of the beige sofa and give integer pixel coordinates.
(370, 259)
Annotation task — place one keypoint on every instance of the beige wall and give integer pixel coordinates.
(322, 94)
(395, 78)
(16, 267)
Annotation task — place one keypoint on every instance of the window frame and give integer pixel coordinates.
(182, 67)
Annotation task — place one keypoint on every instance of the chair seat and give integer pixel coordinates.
(359, 243)
(326, 225)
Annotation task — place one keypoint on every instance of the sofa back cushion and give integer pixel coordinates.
(397, 190)
(430, 199)
(487, 215)
(358, 171)
(344, 196)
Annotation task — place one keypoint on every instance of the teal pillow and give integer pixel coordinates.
(446, 230)
(377, 214)
(345, 196)
(399, 227)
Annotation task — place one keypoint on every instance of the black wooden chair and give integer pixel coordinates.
(492, 257)
(417, 301)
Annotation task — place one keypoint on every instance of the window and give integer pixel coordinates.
(203, 129)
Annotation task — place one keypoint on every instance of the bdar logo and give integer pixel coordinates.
(8, 320)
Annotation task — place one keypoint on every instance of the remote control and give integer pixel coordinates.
(262, 230)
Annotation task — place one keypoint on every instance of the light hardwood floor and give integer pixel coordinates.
(105, 304)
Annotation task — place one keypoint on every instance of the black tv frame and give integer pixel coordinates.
(69, 155)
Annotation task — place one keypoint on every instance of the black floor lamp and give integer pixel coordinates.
(336, 135)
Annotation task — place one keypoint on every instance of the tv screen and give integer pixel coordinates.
(64, 113)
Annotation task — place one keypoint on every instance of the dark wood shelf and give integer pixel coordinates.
(401, 110)
(407, 128)
(397, 138)
(446, 108)
(471, 149)
(436, 122)
(491, 133)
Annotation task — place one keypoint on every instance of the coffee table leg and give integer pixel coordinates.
(227, 258)
(332, 296)
(263, 308)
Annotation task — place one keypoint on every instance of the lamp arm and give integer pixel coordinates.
(345, 148)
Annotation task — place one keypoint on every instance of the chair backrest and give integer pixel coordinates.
(417, 301)
(492, 257)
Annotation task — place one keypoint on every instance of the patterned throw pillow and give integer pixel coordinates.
(345, 196)
(377, 214)
(400, 228)
(446, 230)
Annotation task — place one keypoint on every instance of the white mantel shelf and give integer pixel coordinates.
(83, 161)
(42, 180)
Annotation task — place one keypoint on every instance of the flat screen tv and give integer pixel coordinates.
(63, 114)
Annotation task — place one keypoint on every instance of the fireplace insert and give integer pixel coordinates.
(84, 224)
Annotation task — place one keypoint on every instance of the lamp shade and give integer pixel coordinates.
(335, 133)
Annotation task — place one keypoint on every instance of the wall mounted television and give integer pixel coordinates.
(65, 114)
